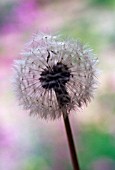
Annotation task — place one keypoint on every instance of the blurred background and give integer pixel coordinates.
(28, 143)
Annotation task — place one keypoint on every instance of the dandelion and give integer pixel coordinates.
(54, 77)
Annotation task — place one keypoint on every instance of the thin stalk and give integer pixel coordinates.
(71, 143)
(62, 102)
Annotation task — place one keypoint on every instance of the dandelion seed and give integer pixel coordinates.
(54, 75)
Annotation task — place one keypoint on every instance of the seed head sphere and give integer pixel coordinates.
(54, 76)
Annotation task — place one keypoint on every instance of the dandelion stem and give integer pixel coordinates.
(71, 143)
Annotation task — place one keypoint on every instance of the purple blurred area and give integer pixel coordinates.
(19, 15)
(29, 143)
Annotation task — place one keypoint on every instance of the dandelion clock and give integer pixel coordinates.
(54, 77)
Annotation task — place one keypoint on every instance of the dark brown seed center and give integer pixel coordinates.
(55, 78)
(52, 78)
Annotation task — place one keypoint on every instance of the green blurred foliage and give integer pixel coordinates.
(107, 102)
(95, 144)
(6, 12)
(112, 38)
(83, 30)
(103, 3)
(35, 163)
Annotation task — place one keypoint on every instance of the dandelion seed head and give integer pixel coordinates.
(54, 75)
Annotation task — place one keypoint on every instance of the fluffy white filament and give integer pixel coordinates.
(46, 50)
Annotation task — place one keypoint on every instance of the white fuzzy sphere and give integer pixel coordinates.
(43, 52)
